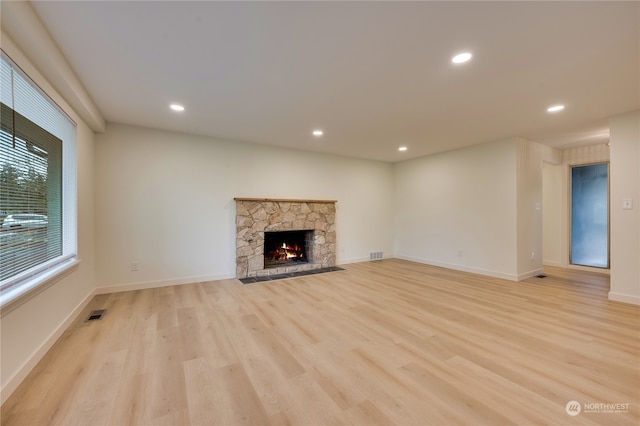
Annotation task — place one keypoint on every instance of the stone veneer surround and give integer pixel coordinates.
(255, 216)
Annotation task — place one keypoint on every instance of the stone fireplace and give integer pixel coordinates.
(300, 236)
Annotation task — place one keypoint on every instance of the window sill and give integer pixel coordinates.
(13, 297)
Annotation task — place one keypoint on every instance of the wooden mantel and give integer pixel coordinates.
(283, 200)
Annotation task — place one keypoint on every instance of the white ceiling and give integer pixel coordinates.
(372, 75)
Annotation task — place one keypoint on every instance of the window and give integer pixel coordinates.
(37, 185)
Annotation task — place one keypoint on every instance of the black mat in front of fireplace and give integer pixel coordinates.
(253, 280)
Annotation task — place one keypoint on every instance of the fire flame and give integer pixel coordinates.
(290, 252)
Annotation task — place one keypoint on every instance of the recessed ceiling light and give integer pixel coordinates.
(402, 148)
(555, 108)
(461, 57)
(176, 107)
(318, 133)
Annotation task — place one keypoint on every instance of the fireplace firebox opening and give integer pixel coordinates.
(287, 247)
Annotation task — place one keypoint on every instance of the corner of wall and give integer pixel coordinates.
(529, 159)
(625, 223)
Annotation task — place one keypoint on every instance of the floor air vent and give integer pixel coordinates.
(541, 276)
(96, 315)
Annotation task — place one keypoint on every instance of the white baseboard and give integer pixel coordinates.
(530, 274)
(553, 263)
(624, 298)
(164, 283)
(494, 274)
(360, 259)
(13, 383)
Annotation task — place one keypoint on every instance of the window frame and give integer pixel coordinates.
(16, 289)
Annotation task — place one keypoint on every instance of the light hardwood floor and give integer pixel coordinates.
(387, 342)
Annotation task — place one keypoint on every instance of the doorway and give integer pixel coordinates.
(590, 215)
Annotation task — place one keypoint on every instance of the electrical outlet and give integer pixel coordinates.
(135, 266)
(533, 256)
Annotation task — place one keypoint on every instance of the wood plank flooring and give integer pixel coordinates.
(382, 343)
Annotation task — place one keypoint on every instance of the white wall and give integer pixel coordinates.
(165, 200)
(625, 224)
(30, 329)
(552, 214)
(459, 200)
(529, 156)
(556, 195)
